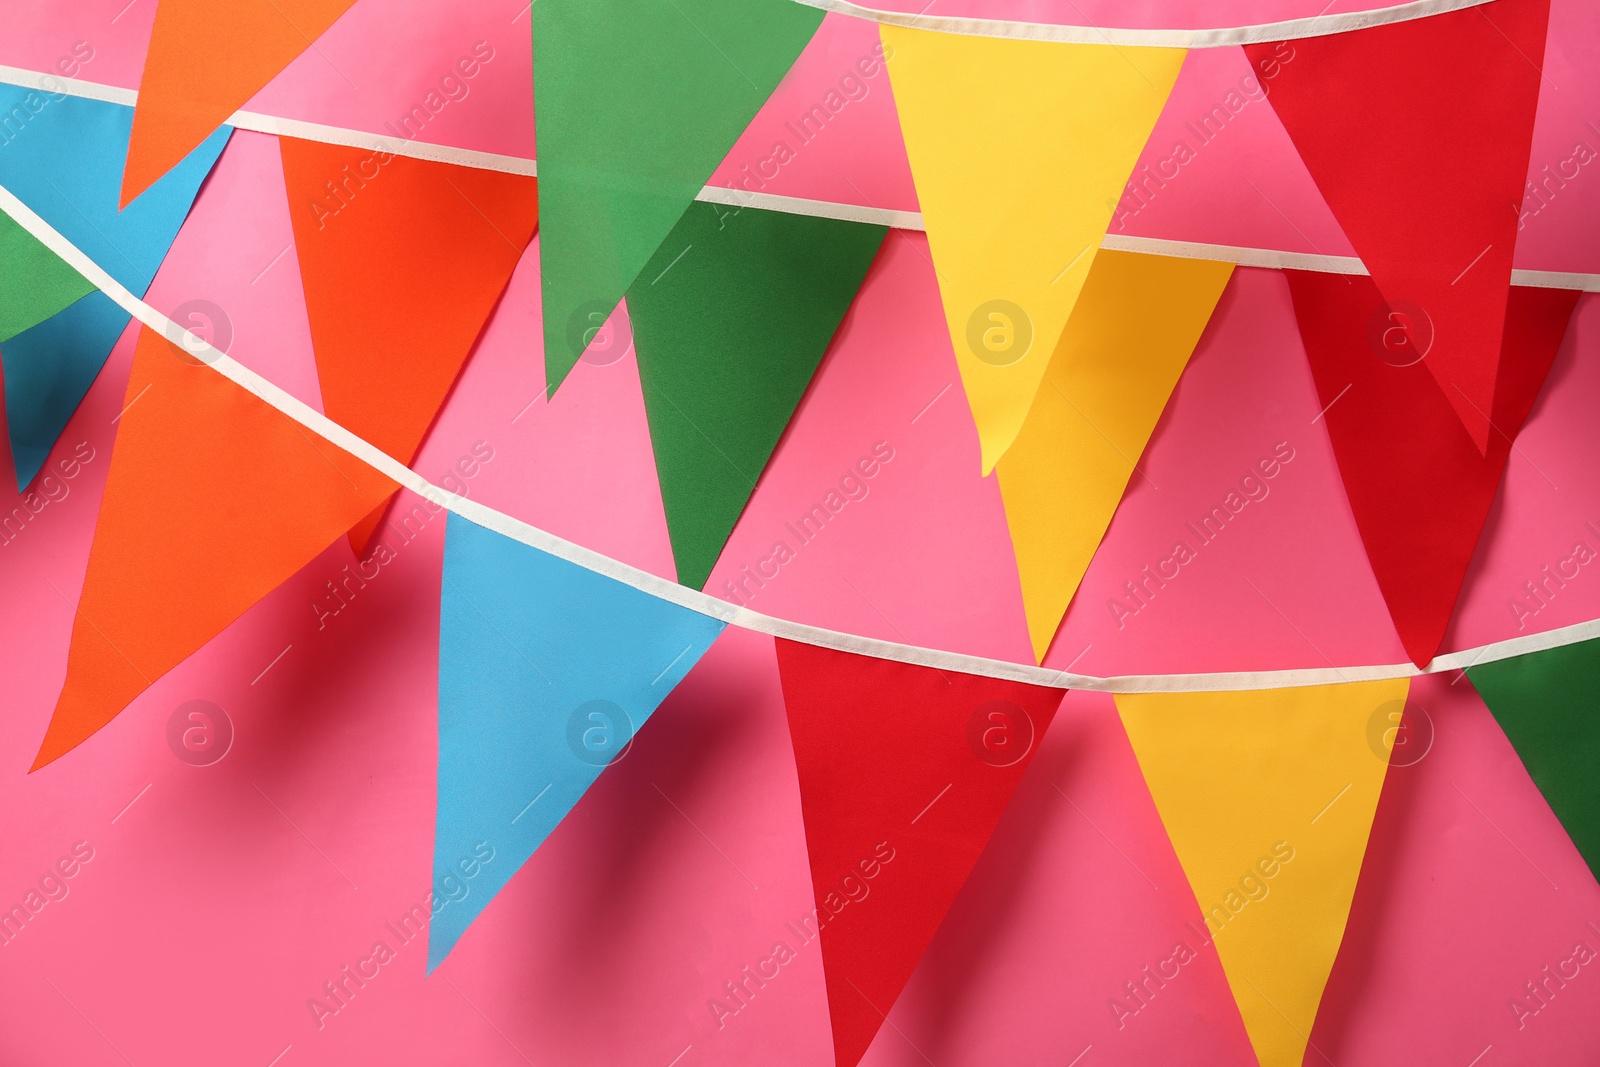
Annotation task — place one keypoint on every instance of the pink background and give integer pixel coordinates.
(222, 897)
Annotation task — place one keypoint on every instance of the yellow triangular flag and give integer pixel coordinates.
(1020, 151)
(1126, 343)
(1268, 798)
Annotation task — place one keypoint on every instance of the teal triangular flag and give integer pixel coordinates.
(63, 157)
(638, 101)
(730, 319)
(1545, 703)
(545, 671)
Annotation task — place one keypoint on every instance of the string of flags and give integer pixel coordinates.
(1068, 355)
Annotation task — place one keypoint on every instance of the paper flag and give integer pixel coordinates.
(904, 772)
(1268, 797)
(1377, 116)
(402, 261)
(35, 283)
(546, 670)
(1545, 702)
(205, 61)
(212, 500)
(637, 104)
(1418, 486)
(1128, 339)
(731, 318)
(1019, 150)
(63, 163)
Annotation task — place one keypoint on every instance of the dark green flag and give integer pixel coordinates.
(35, 283)
(1548, 703)
(730, 319)
(637, 101)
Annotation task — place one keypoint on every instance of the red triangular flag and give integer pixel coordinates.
(402, 261)
(904, 772)
(212, 500)
(1429, 199)
(206, 59)
(1418, 486)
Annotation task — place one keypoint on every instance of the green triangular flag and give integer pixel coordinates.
(1545, 703)
(35, 283)
(637, 102)
(730, 319)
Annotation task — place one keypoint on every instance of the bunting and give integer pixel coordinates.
(213, 499)
(34, 282)
(904, 772)
(63, 163)
(546, 670)
(1544, 702)
(731, 318)
(402, 261)
(205, 61)
(1020, 150)
(1426, 371)
(1431, 211)
(637, 104)
(1128, 339)
(1268, 797)
(1418, 486)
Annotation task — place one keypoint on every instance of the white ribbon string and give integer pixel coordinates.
(1286, 30)
(739, 198)
(714, 607)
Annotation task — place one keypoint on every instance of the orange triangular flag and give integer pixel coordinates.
(402, 261)
(206, 60)
(213, 498)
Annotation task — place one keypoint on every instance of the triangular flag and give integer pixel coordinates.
(637, 104)
(904, 772)
(546, 670)
(402, 262)
(731, 318)
(1268, 798)
(212, 500)
(205, 61)
(1019, 150)
(1129, 337)
(1377, 116)
(1418, 487)
(1545, 703)
(35, 283)
(63, 163)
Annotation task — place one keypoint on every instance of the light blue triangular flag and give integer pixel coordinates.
(546, 670)
(63, 157)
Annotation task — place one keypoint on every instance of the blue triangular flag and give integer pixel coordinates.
(545, 671)
(63, 157)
